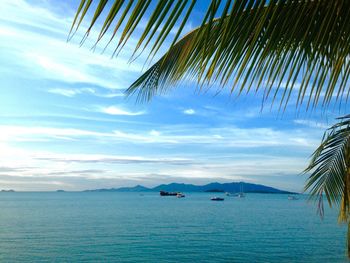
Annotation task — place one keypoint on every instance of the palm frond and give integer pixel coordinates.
(278, 45)
(128, 15)
(329, 168)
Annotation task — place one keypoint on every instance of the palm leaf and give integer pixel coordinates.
(278, 46)
(329, 168)
(330, 171)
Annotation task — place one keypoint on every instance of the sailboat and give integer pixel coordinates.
(241, 193)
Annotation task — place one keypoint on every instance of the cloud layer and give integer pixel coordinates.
(65, 123)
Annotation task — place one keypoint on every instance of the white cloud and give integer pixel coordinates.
(189, 111)
(71, 92)
(109, 95)
(230, 137)
(251, 165)
(35, 45)
(34, 16)
(21, 168)
(114, 110)
(65, 92)
(52, 66)
(109, 159)
(10, 133)
(312, 123)
(154, 133)
(48, 56)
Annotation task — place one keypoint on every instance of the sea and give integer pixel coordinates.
(145, 227)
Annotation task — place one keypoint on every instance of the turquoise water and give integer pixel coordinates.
(129, 227)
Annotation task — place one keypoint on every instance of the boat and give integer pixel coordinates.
(217, 199)
(229, 194)
(292, 197)
(164, 193)
(180, 195)
(241, 194)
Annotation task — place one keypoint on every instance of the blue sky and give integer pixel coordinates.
(65, 124)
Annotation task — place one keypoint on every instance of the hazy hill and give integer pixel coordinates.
(180, 187)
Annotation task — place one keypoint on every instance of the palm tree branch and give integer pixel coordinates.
(278, 46)
(329, 167)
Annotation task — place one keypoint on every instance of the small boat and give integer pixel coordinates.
(217, 199)
(180, 195)
(164, 193)
(241, 195)
(292, 197)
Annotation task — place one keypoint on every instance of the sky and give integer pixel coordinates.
(66, 124)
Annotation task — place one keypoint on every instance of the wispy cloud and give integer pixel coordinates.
(79, 171)
(312, 123)
(24, 133)
(228, 137)
(52, 56)
(115, 110)
(189, 111)
(71, 92)
(113, 159)
(154, 133)
(40, 138)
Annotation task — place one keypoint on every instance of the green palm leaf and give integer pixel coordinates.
(330, 174)
(329, 163)
(277, 46)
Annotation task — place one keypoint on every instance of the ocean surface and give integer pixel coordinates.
(134, 227)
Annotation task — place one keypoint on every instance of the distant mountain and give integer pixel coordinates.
(225, 187)
(180, 187)
(137, 188)
(176, 187)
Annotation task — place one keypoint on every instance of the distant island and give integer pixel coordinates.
(234, 187)
(7, 191)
